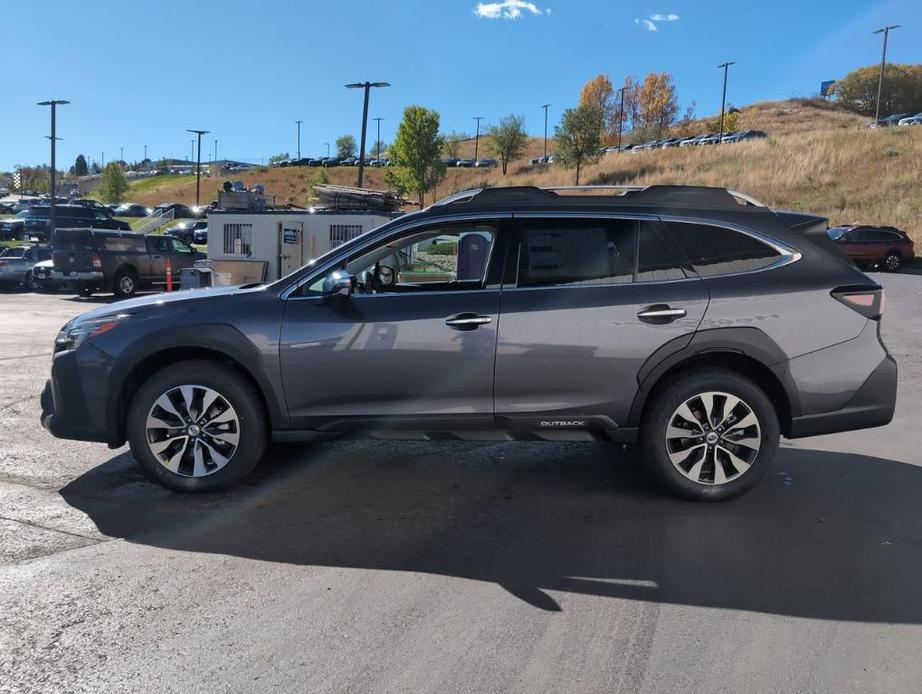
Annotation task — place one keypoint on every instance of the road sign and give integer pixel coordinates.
(826, 87)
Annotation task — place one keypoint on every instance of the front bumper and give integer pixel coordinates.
(74, 401)
(872, 405)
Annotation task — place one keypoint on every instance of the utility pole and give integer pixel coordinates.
(378, 139)
(367, 87)
(216, 149)
(54, 103)
(299, 137)
(146, 166)
(883, 62)
(198, 166)
(545, 107)
(477, 137)
(121, 154)
(723, 101)
(620, 117)
(328, 149)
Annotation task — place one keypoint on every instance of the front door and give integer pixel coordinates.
(413, 344)
(291, 247)
(590, 302)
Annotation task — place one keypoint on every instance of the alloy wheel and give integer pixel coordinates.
(892, 262)
(713, 438)
(192, 430)
(126, 284)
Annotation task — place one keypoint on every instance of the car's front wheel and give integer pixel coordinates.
(197, 425)
(711, 435)
(125, 283)
(893, 262)
(29, 282)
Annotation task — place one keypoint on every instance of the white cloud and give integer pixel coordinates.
(664, 17)
(506, 9)
(650, 24)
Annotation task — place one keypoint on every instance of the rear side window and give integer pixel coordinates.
(658, 259)
(72, 239)
(572, 252)
(719, 251)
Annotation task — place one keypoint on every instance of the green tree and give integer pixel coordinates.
(281, 156)
(507, 140)
(579, 137)
(902, 89)
(451, 149)
(415, 164)
(114, 184)
(80, 166)
(345, 146)
(378, 148)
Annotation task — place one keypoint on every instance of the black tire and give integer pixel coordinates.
(662, 409)
(29, 283)
(125, 283)
(235, 389)
(892, 262)
(85, 292)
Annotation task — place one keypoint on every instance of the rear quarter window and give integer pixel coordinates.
(715, 250)
(121, 244)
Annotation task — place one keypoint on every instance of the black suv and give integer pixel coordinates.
(692, 320)
(33, 222)
(120, 262)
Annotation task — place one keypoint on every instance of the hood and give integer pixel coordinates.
(164, 301)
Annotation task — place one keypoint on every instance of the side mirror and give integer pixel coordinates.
(338, 282)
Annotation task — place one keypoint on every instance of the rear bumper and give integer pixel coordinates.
(93, 276)
(872, 405)
(74, 398)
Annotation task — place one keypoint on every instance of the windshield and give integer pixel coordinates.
(14, 253)
(836, 233)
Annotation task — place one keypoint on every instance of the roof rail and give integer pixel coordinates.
(655, 193)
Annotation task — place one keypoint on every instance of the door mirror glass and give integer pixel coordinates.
(338, 282)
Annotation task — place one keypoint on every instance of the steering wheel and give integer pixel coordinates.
(384, 276)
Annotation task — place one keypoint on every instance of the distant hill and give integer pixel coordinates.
(818, 158)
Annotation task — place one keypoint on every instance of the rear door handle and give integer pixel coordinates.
(660, 314)
(467, 321)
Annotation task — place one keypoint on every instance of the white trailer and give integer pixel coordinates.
(281, 241)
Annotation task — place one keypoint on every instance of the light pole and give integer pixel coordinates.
(477, 137)
(54, 103)
(215, 150)
(121, 154)
(723, 101)
(378, 139)
(191, 150)
(146, 165)
(545, 107)
(620, 118)
(883, 61)
(299, 137)
(367, 87)
(328, 149)
(198, 166)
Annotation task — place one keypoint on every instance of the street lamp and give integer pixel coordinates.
(883, 61)
(723, 101)
(299, 137)
(545, 107)
(378, 139)
(621, 118)
(198, 166)
(477, 137)
(367, 87)
(54, 103)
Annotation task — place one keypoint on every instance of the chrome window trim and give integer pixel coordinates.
(396, 231)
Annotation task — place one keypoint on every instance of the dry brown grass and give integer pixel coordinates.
(819, 159)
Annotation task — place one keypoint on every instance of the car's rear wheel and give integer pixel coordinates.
(197, 425)
(893, 262)
(125, 283)
(85, 292)
(711, 435)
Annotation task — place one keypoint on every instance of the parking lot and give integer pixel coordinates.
(409, 567)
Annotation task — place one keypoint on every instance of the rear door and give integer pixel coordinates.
(159, 248)
(585, 303)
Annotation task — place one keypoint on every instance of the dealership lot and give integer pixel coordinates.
(456, 567)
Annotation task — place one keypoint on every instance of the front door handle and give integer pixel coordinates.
(467, 321)
(660, 314)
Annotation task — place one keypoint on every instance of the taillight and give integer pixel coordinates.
(4, 263)
(868, 300)
(97, 262)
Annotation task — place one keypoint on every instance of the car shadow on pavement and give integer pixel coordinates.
(827, 535)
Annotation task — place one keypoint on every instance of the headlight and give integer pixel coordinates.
(72, 336)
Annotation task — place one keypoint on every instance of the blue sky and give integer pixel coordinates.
(143, 71)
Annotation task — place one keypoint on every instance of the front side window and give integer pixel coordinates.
(180, 246)
(716, 250)
(575, 252)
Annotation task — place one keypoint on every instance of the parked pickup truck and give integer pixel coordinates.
(91, 260)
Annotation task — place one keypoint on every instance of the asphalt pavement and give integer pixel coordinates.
(456, 567)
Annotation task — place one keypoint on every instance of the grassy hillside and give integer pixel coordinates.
(819, 159)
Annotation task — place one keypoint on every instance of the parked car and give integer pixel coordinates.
(23, 204)
(33, 222)
(92, 204)
(485, 163)
(349, 161)
(911, 120)
(453, 161)
(200, 236)
(180, 211)
(871, 246)
(123, 263)
(637, 325)
(743, 135)
(41, 276)
(671, 142)
(6, 208)
(329, 161)
(888, 121)
(186, 230)
(465, 163)
(16, 265)
(131, 209)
